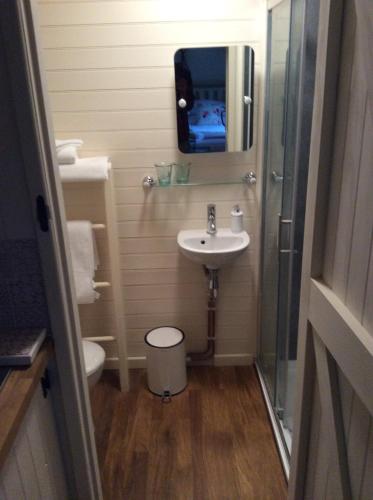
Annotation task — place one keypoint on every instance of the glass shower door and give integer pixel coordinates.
(289, 253)
(291, 230)
(289, 100)
(277, 57)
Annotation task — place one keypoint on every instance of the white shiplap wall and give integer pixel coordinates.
(33, 468)
(110, 78)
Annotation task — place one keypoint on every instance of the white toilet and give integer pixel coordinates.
(94, 359)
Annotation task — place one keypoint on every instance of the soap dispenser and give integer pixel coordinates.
(236, 219)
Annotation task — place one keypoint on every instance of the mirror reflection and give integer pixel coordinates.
(214, 99)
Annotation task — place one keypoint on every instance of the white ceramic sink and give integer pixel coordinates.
(212, 251)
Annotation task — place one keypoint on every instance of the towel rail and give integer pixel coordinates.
(105, 228)
(101, 284)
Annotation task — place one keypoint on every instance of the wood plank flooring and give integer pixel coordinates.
(212, 442)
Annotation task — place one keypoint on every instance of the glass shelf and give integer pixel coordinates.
(248, 180)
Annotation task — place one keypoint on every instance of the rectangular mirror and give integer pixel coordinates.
(214, 99)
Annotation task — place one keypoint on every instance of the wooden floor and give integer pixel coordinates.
(212, 442)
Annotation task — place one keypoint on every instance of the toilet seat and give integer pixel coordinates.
(94, 356)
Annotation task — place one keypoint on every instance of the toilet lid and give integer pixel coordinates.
(94, 356)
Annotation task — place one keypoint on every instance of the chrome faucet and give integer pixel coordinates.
(211, 221)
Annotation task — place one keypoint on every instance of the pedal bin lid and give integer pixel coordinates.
(164, 337)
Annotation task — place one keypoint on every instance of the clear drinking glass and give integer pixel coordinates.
(182, 172)
(164, 170)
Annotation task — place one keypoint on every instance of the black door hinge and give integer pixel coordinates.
(42, 213)
(45, 383)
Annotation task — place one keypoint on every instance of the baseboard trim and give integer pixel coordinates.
(244, 359)
(111, 364)
(133, 362)
(136, 362)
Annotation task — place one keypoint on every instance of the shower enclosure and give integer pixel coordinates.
(291, 53)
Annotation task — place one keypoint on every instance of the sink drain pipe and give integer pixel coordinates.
(213, 286)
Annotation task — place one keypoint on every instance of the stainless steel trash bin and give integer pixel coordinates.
(166, 361)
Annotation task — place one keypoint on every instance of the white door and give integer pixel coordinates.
(333, 437)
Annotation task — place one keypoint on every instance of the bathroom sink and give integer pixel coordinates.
(212, 250)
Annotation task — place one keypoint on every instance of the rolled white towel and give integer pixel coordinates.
(67, 155)
(60, 144)
(67, 150)
(86, 169)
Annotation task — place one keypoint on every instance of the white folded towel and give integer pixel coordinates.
(86, 169)
(84, 259)
(67, 150)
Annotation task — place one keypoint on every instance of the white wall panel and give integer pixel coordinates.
(115, 57)
(74, 13)
(204, 32)
(33, 469)
(111, 82)
(110, 79)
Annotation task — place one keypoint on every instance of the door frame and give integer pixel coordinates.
(69, 384)
(340, 337)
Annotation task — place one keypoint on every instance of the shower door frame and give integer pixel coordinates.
(269, 397)
(303, 131)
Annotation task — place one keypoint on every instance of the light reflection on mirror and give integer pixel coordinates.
(214, 99)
